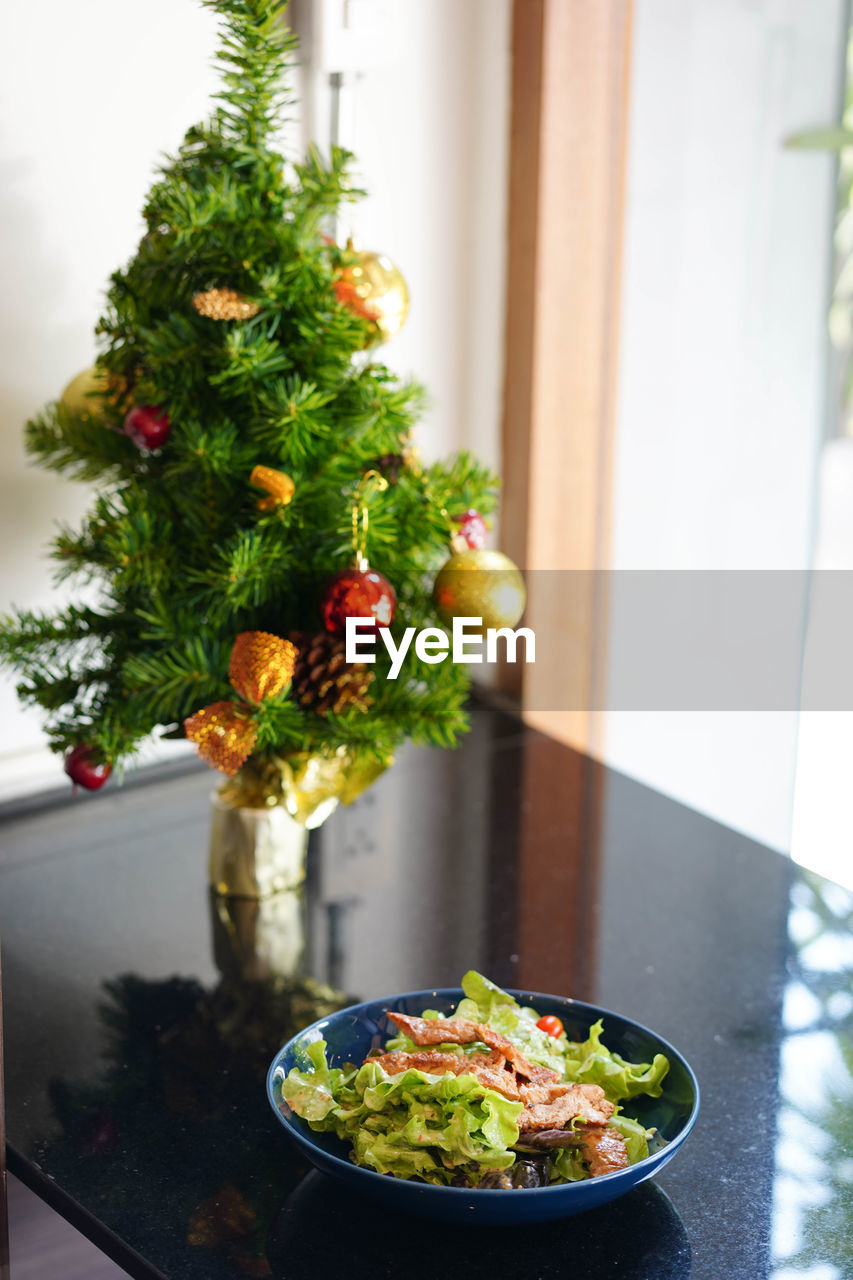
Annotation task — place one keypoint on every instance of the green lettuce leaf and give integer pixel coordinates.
(311, 1092)
(568, 1166)
(412, 1124)
(636, 1137)
(485, 1002)
(592, 1063)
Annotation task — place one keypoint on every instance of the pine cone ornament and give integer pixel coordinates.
(323, 679)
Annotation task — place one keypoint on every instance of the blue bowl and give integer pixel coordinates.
(351, 1033)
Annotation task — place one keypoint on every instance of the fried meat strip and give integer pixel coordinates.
(489, 1068)
(425, 1031)
(603, 1150)
(436, 1030)
(520, 1065)
(554, 1106)
(550, 1105)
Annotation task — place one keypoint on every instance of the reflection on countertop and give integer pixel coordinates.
(140, 1014)
(813, 1187)
(636, 1237)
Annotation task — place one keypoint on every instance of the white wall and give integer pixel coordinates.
(723, 371)
(431, 137)
(91, 93)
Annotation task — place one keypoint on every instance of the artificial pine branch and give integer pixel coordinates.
(75, 444)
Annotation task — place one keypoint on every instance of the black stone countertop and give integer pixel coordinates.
(139, 1021)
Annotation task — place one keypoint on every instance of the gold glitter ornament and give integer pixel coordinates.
(277, 484)
(261, 665)
(375, 289)
(480, 584)
(80, 395)
(224, 304)
(224, 735)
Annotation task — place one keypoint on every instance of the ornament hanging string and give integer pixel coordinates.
(371, 480)
(359, 591)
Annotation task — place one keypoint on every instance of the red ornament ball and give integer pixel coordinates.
(85, 770)
(148, 426)
(472, 529)
(357, 593)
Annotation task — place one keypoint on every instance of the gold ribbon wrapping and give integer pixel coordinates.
(308, 785)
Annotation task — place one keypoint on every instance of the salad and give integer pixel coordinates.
(494, 1096)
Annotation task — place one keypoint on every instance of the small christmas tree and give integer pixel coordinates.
(238, 429)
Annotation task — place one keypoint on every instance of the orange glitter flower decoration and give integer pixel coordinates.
(224, 735)
(225, 732)
(261, 665)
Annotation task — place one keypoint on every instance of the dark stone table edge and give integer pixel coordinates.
(79, 1218)
(58, 797)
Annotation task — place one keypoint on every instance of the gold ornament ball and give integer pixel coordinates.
(374, 288)
(78, 395)
(480, 584)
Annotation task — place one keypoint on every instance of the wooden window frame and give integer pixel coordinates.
(569, 114)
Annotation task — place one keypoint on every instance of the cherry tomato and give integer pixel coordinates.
(551, 1025)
